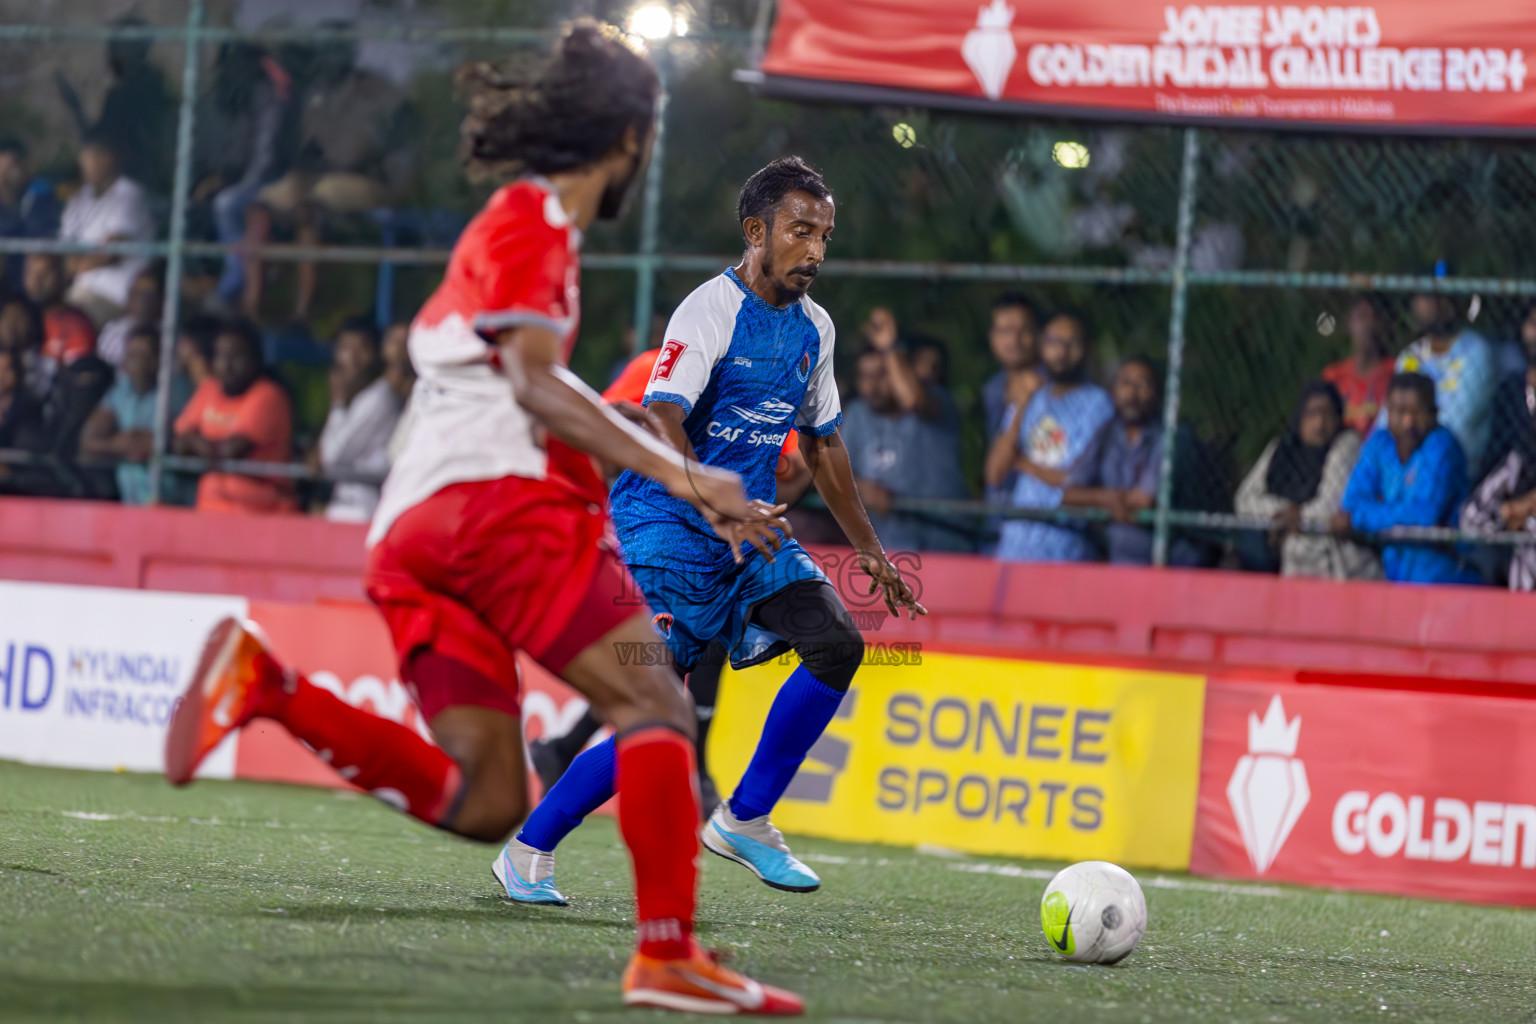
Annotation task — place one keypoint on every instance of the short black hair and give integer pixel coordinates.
(564, 113)
(1153, 367)
(1418, 384)
(917, 342)
(201, 330)
(34, 314)
(1016, 300)
(1071, 313)
(765, 190)
(11, 144)
(249, 335)
(144, 331)
(363, 325)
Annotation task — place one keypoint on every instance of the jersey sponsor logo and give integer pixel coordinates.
(671, 352)
(742, 361)
(770, 411)
(753, 437)
(803, 371)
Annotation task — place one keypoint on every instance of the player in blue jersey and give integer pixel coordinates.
(748, 356)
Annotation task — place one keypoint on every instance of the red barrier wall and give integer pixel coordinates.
(1185, 618)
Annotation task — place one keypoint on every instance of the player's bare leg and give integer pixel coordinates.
(658, 817)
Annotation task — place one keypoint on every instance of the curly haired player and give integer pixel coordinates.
(492, 534)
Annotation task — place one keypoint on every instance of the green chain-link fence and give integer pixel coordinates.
(1231, 258)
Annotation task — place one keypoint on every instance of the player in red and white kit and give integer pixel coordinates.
(492, 534)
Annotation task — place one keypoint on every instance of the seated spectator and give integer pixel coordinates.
(1299, 481)
(28, 208)
(194, 349)
(21, 414)
(1044, 439)
(122, 429)
(1362, 377)
(1514, 402)
(68, 333)
(364, 413)
(239, 413)
(1411, 474)
(401, 374)
(21, 332)
(108, 208)
(1119, 471)
(357, 145)
(1506, 500)
(903, 441)
(1460, 363)
(146, 302)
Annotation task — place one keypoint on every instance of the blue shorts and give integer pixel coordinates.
(692, 609)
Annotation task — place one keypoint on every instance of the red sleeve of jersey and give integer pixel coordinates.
(630, 387)
(523, 265)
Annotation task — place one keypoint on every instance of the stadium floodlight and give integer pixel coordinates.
(655, 21)
(1071, 155)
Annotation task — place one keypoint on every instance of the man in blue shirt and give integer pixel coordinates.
(28, 208)
(1411, 474)
(1044, 439)
(747, 357)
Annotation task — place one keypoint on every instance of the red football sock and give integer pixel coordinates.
(385, 758)
(659, 818)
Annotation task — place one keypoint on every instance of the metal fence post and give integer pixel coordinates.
(181, 186)
(650, 216)
(1188, 179)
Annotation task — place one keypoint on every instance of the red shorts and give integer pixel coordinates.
(482, 570)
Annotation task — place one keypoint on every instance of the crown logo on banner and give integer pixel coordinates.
(989, 50)
(1273, 734)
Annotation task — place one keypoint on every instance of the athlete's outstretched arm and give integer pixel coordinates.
(833, 474)
(577, 415)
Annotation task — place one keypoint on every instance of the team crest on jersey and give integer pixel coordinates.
(803, 371)
(671, 352)
(663, 623)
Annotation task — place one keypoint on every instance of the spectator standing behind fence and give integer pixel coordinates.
(146, 301)
(1362, 377)
(1506, 499)
(122, 429)
(28, 208)
(365, 410)
(1119, 471)
(1514, 401)
(1012, 337)
(239, 413)
(138, 113)
(1460, 363)
(110, 207)
(1299, 482)
(1041, 442)
(67, 333)
(903, 441)
(1413, 473)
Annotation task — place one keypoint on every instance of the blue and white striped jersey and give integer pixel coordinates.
(745, 372)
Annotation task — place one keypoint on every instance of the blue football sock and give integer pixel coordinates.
(586, 785)
(799, 716)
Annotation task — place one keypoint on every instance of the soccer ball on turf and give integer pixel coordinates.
(1093, 912)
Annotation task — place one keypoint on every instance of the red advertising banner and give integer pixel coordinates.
(1412, 793)
(1397, 64)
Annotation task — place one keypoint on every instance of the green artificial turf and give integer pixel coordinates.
(122, 899)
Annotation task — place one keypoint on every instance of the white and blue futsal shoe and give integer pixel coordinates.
(760, 848)
(528, 875)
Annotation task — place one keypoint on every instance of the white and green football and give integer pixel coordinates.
(1093, 912)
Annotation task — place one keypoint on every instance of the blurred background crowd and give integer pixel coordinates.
(1026, 422)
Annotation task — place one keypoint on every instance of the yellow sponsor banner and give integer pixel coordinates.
(989, 755)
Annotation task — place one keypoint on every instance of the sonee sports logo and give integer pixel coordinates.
(671, 352)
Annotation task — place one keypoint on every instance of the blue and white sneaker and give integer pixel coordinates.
(528, 875)
(760, 848)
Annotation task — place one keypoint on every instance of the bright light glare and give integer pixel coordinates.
(1071, 155)
(680, 25)
(905, 135)
(653, 21)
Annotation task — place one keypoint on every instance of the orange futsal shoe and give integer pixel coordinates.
(231, 674)
(698, 984)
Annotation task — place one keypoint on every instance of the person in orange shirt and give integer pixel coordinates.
(67, 332)
(628, 390)
(1363, 375)
(237, 413)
